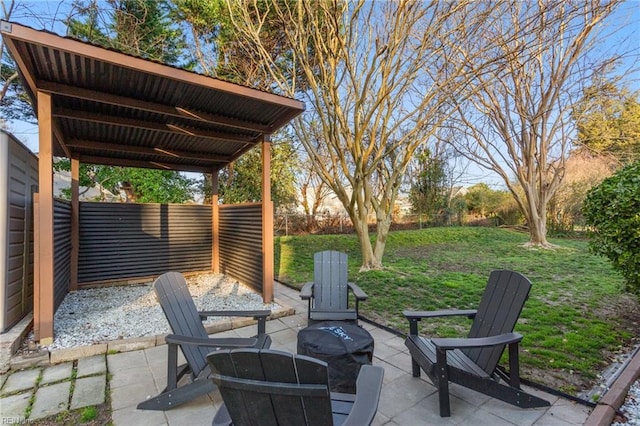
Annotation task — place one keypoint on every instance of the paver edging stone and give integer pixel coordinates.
(608, 405)
(136, 343)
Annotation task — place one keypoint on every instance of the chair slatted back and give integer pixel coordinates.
(181, 313)
(267, 387)
(330, 272)
(498, 312)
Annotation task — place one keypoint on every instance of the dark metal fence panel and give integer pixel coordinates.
(61, 250)
(240, 237)
(18, 182)
(120, 241)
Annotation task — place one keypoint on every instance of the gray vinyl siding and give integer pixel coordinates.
(19, 180)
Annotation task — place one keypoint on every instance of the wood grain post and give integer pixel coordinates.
(267, 222)
(45, 300)
(215, 224)
(75, 223)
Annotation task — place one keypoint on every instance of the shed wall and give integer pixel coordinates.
(241, 255)
(18, 182)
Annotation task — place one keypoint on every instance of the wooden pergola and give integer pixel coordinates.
(101, 106)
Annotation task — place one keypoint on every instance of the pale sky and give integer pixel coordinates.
(627, 17)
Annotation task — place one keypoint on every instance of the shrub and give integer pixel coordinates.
(612, 209)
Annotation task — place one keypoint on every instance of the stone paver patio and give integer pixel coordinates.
(136, 375)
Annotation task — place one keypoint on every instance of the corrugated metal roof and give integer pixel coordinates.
(117, 109)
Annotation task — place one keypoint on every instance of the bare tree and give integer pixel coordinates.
(373, 74)
(313, 190)
(518, 121)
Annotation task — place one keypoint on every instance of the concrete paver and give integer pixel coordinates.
(21, 380)
(50, 400)
(198, 412)
(140, 375)
(14, 406)
(88, 391)
(96, 364)
(126, 361)
(402, 394)
(138, 417)
(56, 373)
(569, 412)
(130, 396)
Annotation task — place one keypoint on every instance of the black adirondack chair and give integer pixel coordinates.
(267, 387)
(191, 337)
(472, 362)
(328, 294)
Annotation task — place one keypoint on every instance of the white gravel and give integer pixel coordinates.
(97, 315)
(631, 407)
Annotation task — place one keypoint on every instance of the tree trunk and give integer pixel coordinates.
(382, 231)
(361, 228)
(538, 233)
(537, 218)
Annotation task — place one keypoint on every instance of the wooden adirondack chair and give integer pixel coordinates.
(267, 387)
(328, 294)
(190, 335)
(472, 362)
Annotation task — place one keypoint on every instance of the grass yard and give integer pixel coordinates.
(575, 320)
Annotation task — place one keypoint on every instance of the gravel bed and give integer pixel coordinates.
(98, 315)
(631, 407)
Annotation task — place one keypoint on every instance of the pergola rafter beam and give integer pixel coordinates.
(170, 154)
(23, 66)
(110, 161)
(225, 121)
(60, 138)
(127, 102)
(148, 125)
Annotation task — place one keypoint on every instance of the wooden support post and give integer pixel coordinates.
(75, 223)
(36, 265)
(215, 225)
(267, 223)
(45, 299)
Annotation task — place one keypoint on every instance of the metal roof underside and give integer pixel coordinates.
(115, 109)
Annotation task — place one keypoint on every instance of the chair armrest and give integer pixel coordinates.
(415, 316)
(224, 342)
(368, 387)
(254, 314)
(418, 315)
(307, 291)
(261, 316)
(477, 342)
(357, 291)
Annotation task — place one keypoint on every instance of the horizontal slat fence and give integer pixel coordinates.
(61, 250)
(121, 241)
(240, 237)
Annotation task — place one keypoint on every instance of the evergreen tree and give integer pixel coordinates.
(142, 28)
(608, 121)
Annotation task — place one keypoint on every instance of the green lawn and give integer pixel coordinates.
(576, 317)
